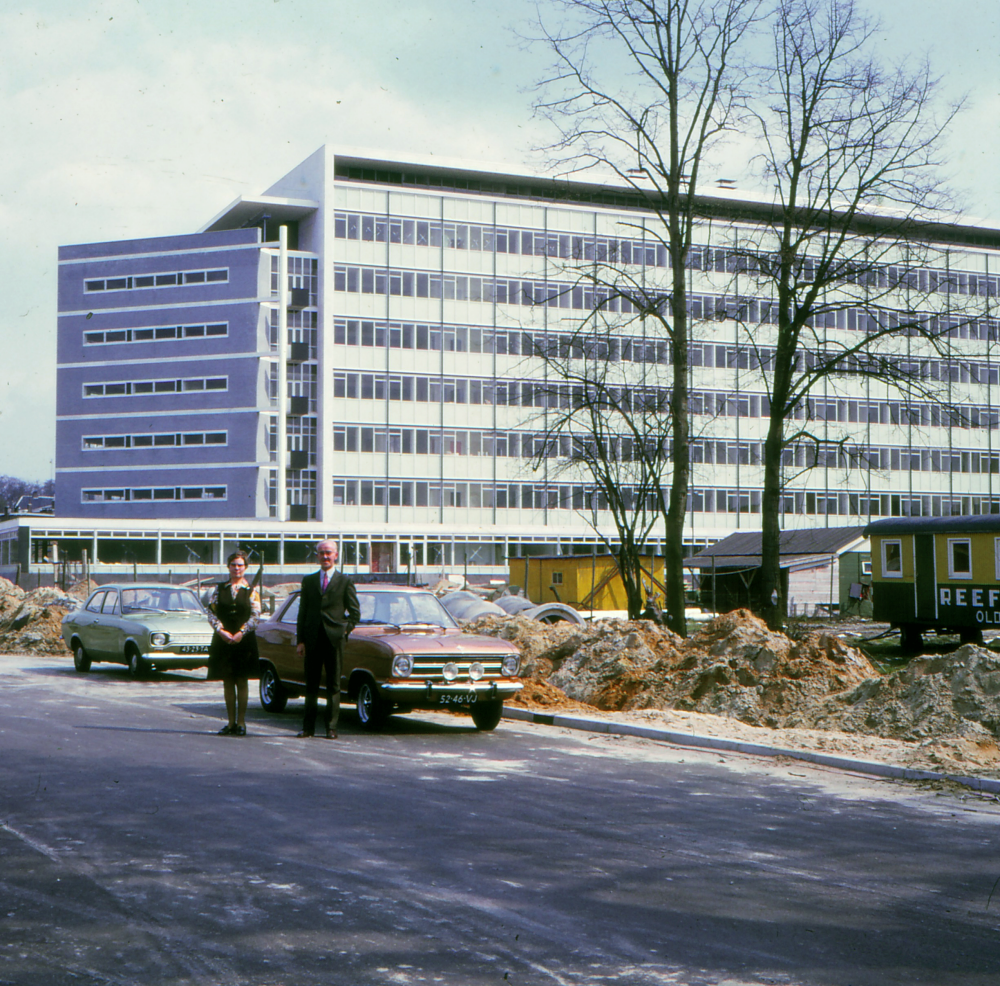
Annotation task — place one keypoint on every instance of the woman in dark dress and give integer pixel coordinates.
(234, 611)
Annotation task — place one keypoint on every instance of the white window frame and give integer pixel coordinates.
(886, 574)
(952, 574)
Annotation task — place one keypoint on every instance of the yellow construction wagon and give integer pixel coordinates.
(936, 573)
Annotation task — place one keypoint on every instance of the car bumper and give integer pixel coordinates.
(435, 693)
(176, 659)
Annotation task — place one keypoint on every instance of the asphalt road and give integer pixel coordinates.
(137, 847)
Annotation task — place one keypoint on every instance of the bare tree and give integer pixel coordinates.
(12, 489)
(646, 88)
(853, 153)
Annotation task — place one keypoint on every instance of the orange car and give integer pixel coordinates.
(406, 653)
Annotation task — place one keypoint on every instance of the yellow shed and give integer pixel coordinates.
(583, 581)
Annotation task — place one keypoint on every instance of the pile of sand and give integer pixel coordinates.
(945, 708)
(30, 623)
(734, 667)
(955, 694)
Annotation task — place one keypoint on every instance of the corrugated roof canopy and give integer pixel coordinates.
(798, 549)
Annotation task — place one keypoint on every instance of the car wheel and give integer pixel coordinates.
(487, 714)
(137, 667)
(81, 659)
(371, 709)
(273, 696)
(971, 635)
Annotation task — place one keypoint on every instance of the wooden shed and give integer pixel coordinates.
(823, 570)
(583, 581)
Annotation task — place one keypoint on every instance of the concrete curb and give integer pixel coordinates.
(986, 784)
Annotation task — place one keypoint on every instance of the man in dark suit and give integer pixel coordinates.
(328, 612)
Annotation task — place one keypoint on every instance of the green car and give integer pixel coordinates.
(141, 625)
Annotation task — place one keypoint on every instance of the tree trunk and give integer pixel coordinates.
(673, 552)
(771, 604)
(630, 570)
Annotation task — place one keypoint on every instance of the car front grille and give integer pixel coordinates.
(433, 670)
(198, 641)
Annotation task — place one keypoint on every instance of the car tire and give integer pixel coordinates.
(137, 667)
(971, 635)
(273, 696)
(371, 709)
(81, 659)
(487, 715)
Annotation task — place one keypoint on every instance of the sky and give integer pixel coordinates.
(126, 118)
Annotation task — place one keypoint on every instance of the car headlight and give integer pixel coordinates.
(475, 671)
(158, 639)
(402, 666)
(511, 664)
(450, 671)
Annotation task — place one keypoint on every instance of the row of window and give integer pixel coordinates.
(498, 239)
(138, 388)
(918, 414)
(763, 358)
(959, 555)
(888, 504)
(155, 440)
(155, 333)
(895, 459)
(528, 393)
(144, 494)
(165, 280)
(630, 299)
(723, 452)
(535, 496)
(446, 441)
(533, 393)
(613, 348)
(643, 251)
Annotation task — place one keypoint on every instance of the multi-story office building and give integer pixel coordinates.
(406, 304)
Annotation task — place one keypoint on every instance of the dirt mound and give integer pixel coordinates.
(734, 667)
(541, 695)
(35, 625)
(737, 667)
(543, 646)
(954, 695)
(11, 597)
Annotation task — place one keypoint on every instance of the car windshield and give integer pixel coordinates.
(163, 600)
(401, 608)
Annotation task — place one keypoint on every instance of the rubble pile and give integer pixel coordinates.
(543, 646)
(734, 667)
(947, 706)
(955, 694)
(30, 622)
(10, 598)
